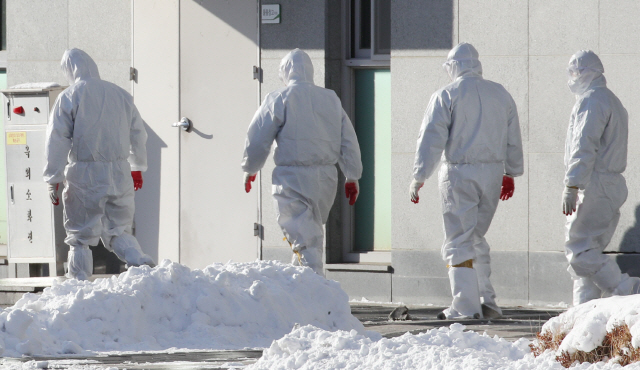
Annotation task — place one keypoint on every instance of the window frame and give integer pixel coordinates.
(353, 52)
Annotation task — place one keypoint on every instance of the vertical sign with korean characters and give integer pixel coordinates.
(270, 13)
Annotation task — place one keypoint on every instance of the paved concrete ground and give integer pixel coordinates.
(518, 322)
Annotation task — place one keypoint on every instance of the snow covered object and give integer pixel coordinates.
(606, 329)
(444, 348)
(223, 306)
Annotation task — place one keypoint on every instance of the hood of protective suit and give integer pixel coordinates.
(78, 65)
(585, 71)
(296, 67)
(463, 61)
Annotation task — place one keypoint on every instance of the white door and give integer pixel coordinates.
(195, 59)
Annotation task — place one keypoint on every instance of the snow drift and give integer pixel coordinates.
(445, 348)
(607, 328)
(223, 306)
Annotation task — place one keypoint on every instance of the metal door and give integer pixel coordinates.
(195, 59)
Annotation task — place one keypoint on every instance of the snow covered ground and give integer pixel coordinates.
(224, 306)
(302, 320)
(445, 348)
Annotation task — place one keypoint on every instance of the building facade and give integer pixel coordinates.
(384, 59)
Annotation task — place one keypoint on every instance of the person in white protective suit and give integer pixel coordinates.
(95, 144)
(595, 157)
(475, 122)
(312, 134)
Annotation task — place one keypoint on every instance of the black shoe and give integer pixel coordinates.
(490, 313)
(441, 316)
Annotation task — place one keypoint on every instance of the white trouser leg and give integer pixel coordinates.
(464, 289)
(303, 197)
(80, 263)
(588, 232)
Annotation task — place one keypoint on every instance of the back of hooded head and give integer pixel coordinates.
(296, 66)
(463, 60)
(78, 65)
(584, 67)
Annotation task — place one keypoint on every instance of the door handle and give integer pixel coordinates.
(184, 124)
(13, 201)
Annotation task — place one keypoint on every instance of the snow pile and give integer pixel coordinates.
(224, 306)
(587, 325)
(450, 348)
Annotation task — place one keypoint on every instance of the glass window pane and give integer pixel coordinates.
(365, 24)
(3, 26)
(373, 128)
(383, 27)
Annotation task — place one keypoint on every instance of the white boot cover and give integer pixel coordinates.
(584, 290)
(629, 285)
(487, 294)
(310, 257)
(608, 278)
(466, 296)
(80, 263)
(126, 247)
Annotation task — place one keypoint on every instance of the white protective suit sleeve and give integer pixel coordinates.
(58, 143)
(350, 161)
(583, 149)
(138, 136)
(514, 161)
(433, 136)
(264, 127)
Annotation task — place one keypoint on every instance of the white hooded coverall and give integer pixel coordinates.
(595, 157)
(475, 123)
(95, 138)
(312, 134)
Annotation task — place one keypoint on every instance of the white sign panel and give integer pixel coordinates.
(271, 13)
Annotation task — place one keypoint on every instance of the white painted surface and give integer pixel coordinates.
(156, 94)
(218, 49)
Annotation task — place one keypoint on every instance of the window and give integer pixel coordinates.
(370, 29)
(3, 25)
(372, 224)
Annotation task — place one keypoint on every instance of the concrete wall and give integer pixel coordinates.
(39, 31)
(524, 45)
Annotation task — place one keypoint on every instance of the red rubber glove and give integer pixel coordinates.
(137, 180)
(351, 190)
(248, 179)
(508, 187)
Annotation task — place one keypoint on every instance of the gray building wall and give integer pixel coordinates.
(39, 31)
